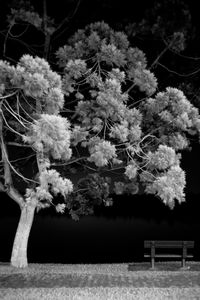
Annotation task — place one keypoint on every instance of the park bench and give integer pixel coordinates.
(168, 249)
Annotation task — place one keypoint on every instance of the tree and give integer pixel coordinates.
(31, 98)
(103, 114)
(120, 119)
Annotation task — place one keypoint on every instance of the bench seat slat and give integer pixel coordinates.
(169, 255)
(169, 244)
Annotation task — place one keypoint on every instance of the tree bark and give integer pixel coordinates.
(19, 251)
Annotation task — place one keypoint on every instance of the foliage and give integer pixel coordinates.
(24, 12)
(51, 135)
(120, 120)
(105, 113)
(30, 102)
(93, 190)
(167, 20)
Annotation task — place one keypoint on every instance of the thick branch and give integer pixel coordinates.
(8, 183)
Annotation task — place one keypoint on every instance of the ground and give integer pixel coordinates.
(100, 281)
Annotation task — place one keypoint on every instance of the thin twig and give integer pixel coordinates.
(179, 74)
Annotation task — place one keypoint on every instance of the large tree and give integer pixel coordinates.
(103, 114)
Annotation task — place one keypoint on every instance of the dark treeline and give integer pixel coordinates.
(113, 235)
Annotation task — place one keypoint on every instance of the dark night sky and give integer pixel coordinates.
(127, 221)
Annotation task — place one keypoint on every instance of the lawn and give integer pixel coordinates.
(100, 281)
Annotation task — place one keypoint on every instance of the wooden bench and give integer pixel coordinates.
(156, 249)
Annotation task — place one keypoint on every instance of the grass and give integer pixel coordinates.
(100, 281)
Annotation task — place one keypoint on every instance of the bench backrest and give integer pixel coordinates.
(169, 244)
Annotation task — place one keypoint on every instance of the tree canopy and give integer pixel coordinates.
(120, 115)
(105, 111)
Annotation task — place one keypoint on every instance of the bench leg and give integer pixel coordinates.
(183, 263)
(152, 262)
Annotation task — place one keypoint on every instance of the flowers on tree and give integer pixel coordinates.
(51, 180)
(60, 208)
(172, 107)
(38, 81)
(120, 131)
(111, 55)
(169, 186)
(136, 58)
(101, 152)
(145, 80)
(131, 170)
(50, 184)
(51, 134)
(76, 68)
(163, 158)
(25, 15)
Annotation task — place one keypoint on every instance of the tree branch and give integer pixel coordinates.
(18, 145)
(179, 74)
(69, 162)
(8, 183)
(65, 20)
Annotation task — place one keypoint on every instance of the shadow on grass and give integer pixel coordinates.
(164, 266)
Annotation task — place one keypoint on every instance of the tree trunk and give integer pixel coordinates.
(19, 251)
